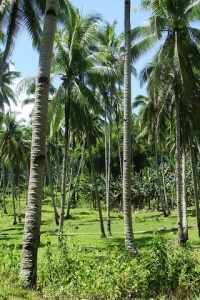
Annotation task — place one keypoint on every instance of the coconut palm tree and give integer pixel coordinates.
(174, 75)
(129, 238)
(113, 45)
(14, 149)
(31, 238)
(75, 58)
(16, 14)
(8, 78)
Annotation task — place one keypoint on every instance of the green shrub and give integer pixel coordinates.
(164, 270)
(68, 272)
(172, 270)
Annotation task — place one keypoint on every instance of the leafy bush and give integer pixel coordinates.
(168, 271)
(172, 270)
(9, 268)
(69, 272)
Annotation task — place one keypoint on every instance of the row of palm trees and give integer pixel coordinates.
(90, 63)
(172, 83)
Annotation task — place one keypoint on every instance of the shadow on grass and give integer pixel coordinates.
(84, 213)
(191, 212)
(45, 222)
(17, 227)
(6, 238)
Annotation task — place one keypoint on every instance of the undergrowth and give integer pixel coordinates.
(68, 272)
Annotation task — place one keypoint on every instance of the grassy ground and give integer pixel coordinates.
(84, 228)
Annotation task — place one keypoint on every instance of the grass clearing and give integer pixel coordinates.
(84, 229)
(85, 248)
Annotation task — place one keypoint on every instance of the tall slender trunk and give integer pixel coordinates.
(196, 186)
(27, 183)
(181, 238)
(44, 186)
(58, 177)
(184, 195)
(49, 174)
(64, 170)
(167, 210)
(107, 163)
(108, 183)
(108, 179)
(19, 199)
(96, 187)
(158, 177)
(31, 238)
(13, 195)
(117, 117)
(129, 238)
(69, 189)
(4, 190)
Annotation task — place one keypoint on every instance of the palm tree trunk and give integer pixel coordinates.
(196, 186)
(109, 175)
(107, 164)
(129, 238)
(27, 183)
(181, 238)
(95, 186)
(49, 174)
(58, 176)
(118, 137)
(158, 177)
(13, 196)
(31, 238)
(184, 188)
(4, 189)
(19, 200)
(69, 189)
(167, 210)
(44, 186)
(64, 172)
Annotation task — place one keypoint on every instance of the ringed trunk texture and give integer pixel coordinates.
(181, 238)
(49, 174)
(196, 185)
(31, 237)
(64, 170)
(103, 235)
(184, 195)
(129, 238)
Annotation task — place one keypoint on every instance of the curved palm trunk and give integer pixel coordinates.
(31, 238)
(184, 188)
(129, 238)
(96, 187)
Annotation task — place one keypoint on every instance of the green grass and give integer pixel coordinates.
(84, 228)
(83, 231)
